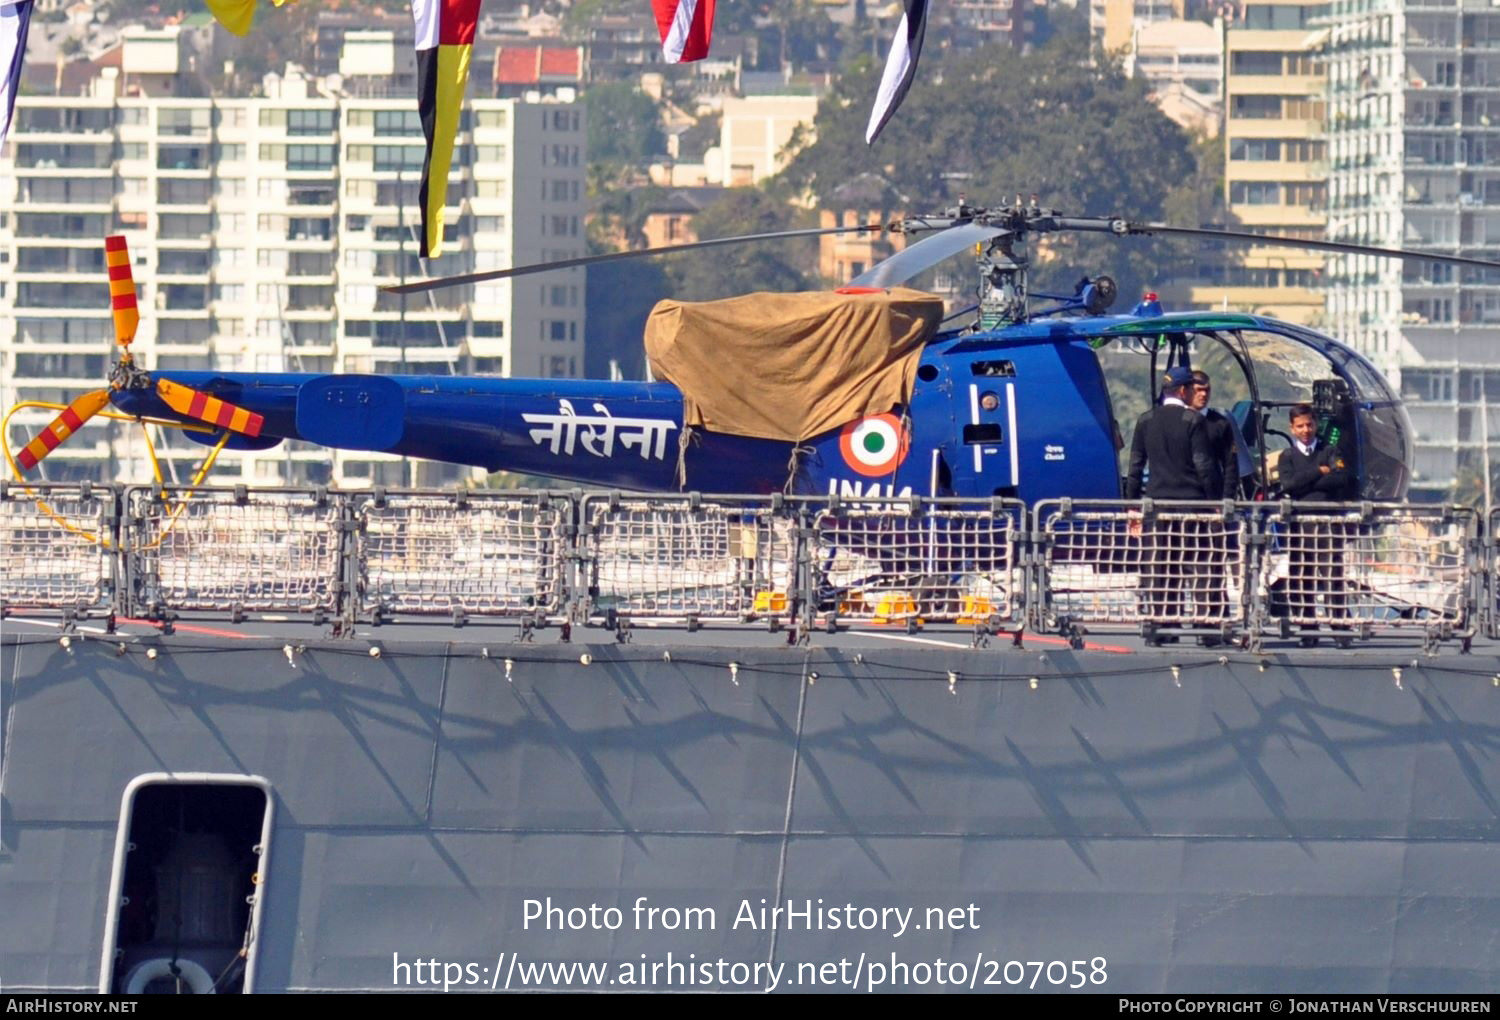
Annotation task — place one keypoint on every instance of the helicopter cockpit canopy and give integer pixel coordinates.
(1260, 369)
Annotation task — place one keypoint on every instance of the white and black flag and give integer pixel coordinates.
(900, 67)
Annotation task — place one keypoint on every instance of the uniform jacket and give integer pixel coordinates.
(1173, 440)
(1221, 443)
(1301, 479)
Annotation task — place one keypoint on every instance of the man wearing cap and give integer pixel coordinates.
(1170, 458)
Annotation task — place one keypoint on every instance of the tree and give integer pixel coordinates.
(992, 124)
(620, 295)
(745, 268)
(693, 143)
(624, 125)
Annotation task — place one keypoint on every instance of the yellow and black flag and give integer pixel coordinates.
(445, 38)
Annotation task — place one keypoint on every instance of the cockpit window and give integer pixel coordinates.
(1285, 369)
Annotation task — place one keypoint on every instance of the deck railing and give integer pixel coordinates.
(1223, 572)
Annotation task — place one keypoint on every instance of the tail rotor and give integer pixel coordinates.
(125, 375)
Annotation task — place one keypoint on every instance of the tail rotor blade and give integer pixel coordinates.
(61, 427)
(188, 401)
(121, 289)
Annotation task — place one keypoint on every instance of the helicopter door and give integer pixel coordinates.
(989, 437)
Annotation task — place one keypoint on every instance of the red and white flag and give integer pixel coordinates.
(687, 27)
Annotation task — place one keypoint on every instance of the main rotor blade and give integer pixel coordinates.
(188, 401)
(64, 425)
(923, 255)
(1297, 242)
(589, 260)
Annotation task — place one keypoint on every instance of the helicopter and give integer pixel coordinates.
(1015, 402)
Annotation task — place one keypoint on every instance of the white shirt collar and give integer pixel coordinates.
(1305, 449)
(1173, 402)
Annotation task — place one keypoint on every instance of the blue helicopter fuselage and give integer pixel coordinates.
(1022, 412)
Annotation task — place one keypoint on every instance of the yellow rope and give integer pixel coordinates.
(61, 521)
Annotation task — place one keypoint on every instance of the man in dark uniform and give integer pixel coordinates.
(1221, 436)
(1209, 597)
(1171, 441)
(1313, 472)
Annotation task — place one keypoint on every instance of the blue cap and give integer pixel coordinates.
(1178, 375)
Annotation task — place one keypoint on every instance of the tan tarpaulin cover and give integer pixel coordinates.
(791, 366)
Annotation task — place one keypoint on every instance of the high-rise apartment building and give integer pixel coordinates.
(1112, 23)
(1414, 161)
(1275, 162)
(261, 231)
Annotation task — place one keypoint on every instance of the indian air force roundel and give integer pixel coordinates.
(874, 446)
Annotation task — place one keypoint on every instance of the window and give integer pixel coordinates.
(309, 122)
(489, 154)
(399, 157)
(1256, 107)
(169, 260)
(490, 118)
(1255, 150)
(65, 331)
(229, 152)
(1251, 62)
(232, 292)
(175, 191)
(1307, 194)
(398, 122)
(182, 157)
(311, 157)
(1281, 17)
(1255, 193)
(272, 118)
(53, 366)
(489, 330)
(177, 121)
(196, 226)
(1302, 150)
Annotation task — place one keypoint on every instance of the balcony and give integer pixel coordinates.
(183, 157)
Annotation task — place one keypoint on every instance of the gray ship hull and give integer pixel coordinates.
(1294, 822)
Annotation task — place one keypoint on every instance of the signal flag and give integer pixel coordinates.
(15, 19)
(686, 26)
(236, 15)
(445, 39)
(900, 67)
